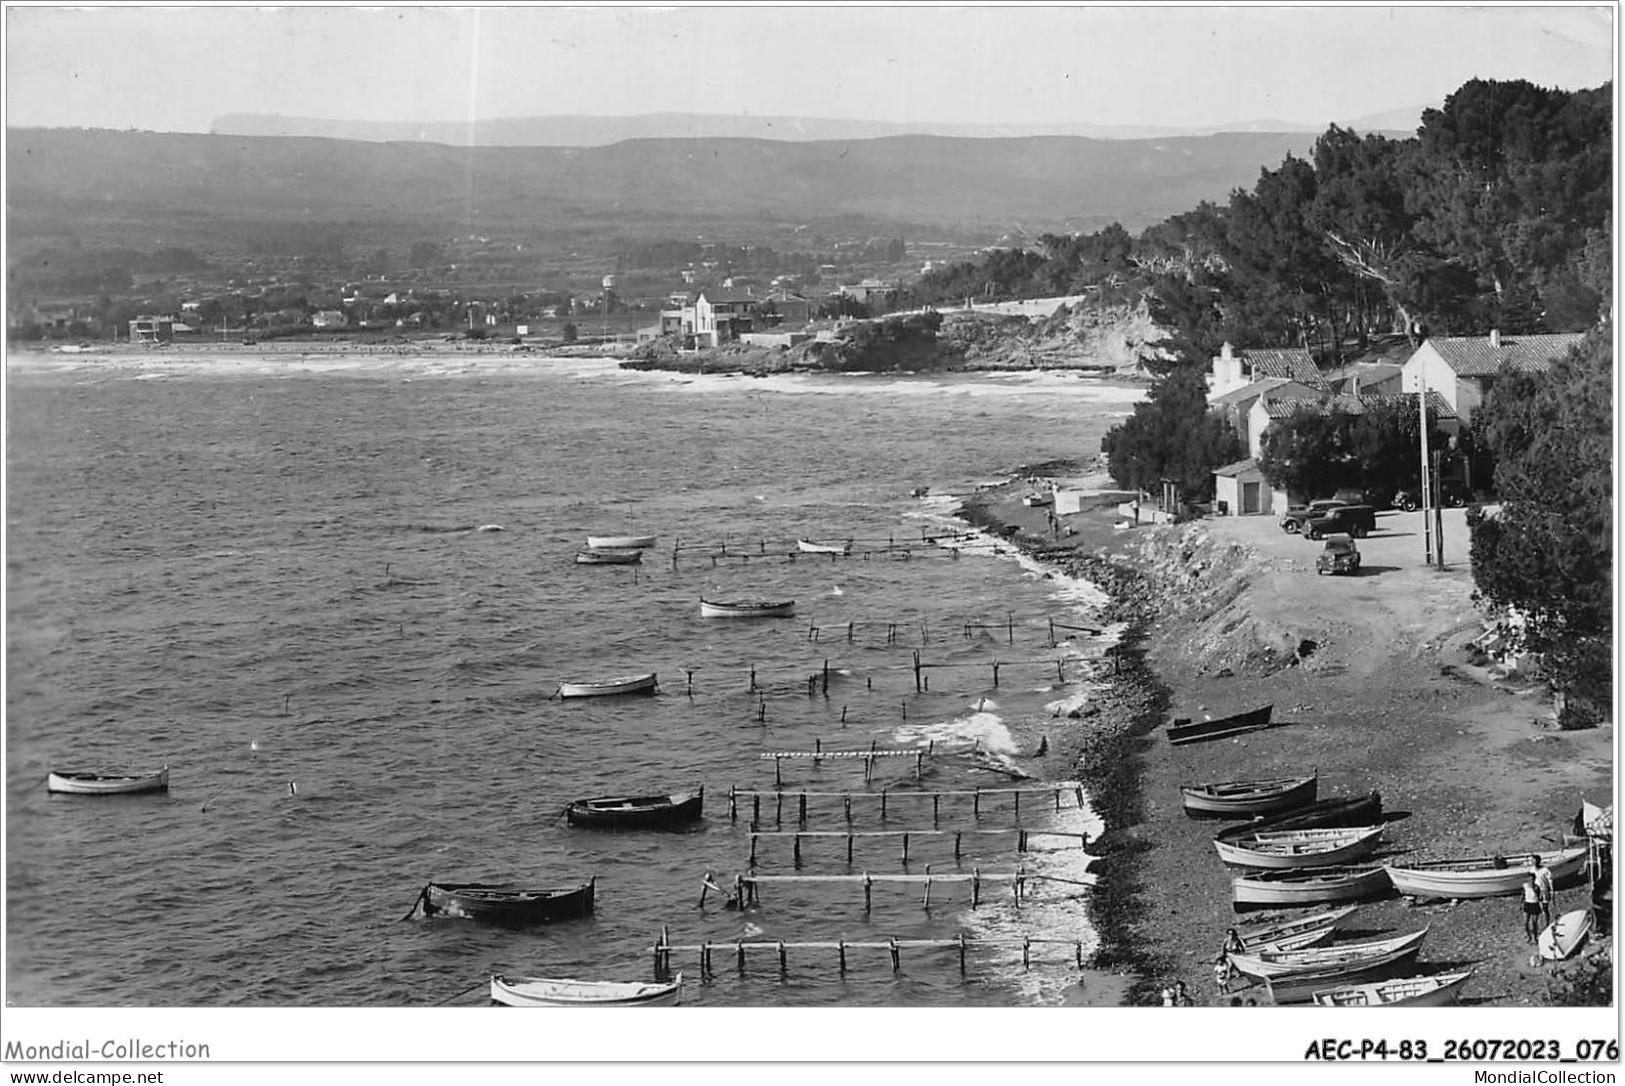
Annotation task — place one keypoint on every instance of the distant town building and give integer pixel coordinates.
(152, 330)
(330, 318)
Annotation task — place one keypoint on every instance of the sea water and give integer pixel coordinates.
(337, 600)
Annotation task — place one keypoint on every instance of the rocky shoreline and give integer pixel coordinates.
(1217, 618)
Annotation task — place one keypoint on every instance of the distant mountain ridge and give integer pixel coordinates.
(579, 130)
(654, 187)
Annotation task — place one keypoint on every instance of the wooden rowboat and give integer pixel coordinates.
(504, 903)
(807, 546)
(1563, 936)
(641, 812)
(1366, 954)
(1338, 811)
(549, 992)
(1480, 876)
(747, 608)
(1223, 727)
(622, 684)
(1310, 886)
(97, 784)
(1280, 849)
(621, 542)
(1299, 931)
(1245, 799)
(1434, 991)
(609, 556)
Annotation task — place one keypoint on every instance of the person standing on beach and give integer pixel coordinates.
(1544, 887)
(1531, 909)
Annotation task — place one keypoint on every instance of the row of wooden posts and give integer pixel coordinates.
(1023, 836)
(886, 796)
(747, 888)
(664, 949)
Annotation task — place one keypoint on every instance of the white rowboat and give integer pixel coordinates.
(1434, 991)
(1367, 954)
(1563, 936)
(616, 542)
(1308, 886)
(96, 784)
(807, 546)
(1301, 848)
(623, 684)
(1243, 799)
(747, 608)
(563, 992)
(1299, 931)
(1479, 876)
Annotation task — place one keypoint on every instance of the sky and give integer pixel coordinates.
(178, 68)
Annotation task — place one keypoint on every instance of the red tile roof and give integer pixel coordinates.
(1472, 356)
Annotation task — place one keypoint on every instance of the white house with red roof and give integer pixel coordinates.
(1463, 369)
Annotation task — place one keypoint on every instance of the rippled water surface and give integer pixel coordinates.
(361, 582)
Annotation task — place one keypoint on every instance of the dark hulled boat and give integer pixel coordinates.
(637, 812)
(1363, 810)
(1220, 728)
(504, 903)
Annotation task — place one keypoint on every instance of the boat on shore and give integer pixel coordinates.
(807, 546)
(1435, 991)
(101, 784)
(1366, 954)
(597, 688)
(747, 608)
(1334, 811)
(637, 812)
(1482, 876)
(504, 903)
(1320, 847)
(1247, 799)
(609, 556)
(620, 542)
(1297, 988)
(1307, 886)
(1199, 731)
(1298, 931)
(1563, 936)
(568, 992)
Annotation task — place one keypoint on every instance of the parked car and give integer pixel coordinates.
(1340, 555)
(1293, 520)
(1355, 520)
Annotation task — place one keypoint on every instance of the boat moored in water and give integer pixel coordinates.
(747, 608)
(637, 812)
(621, 542)
(99, 784)
(621, 684)
(807, 546)
(504, 903)
(566, 992)
(609, 556)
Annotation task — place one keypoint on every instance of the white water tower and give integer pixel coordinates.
(609, 295)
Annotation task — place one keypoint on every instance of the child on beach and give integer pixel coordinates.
(1531, 909)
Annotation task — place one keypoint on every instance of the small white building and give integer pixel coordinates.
(1240, 490)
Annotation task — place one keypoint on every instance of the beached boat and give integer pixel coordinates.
(621, 684)
(807, 546)
(1309, 886)
(747, 608)
(641, 812)
(504, 903)
(1563, 936)
(1434, 991)
(1322, 847)
(1365, 954)
(1336, 811)
(620, 542)
(1303, 930)
(609, 556)
(1202, 730)
(1247, 799)
(99, 784)
(561, 992)
(1481, 876)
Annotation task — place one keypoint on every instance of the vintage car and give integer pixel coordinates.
(1340, 555)
(1293, 520)
(1355, 520)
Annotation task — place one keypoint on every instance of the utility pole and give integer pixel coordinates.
(1427, 482)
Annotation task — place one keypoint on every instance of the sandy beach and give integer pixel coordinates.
(1372, 674)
